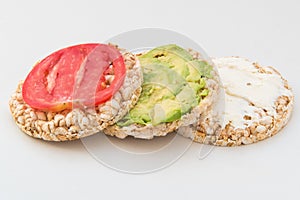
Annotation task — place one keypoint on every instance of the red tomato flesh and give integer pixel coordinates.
(74, 76)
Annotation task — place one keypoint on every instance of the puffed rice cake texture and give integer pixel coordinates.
(150, 131)
(78, 122)
(259, 118)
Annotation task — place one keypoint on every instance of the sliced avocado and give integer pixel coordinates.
(174, 83)
(202, 67)
(159, 74)
(169, 55)
(204, 93)
(166, 50)
(142, 113)
(202, 83)
(166, 111)
(187, 98)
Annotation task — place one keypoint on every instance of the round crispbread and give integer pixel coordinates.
(150, 131)
(79, 122)
(258, 103)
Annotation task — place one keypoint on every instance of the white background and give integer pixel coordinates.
(264, 31)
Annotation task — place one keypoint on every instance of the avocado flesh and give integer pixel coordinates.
(173, 84)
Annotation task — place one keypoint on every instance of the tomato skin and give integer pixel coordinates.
(72, 75)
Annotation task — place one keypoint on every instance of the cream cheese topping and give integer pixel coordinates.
(246, 89)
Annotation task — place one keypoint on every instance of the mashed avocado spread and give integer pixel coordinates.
(174, 83)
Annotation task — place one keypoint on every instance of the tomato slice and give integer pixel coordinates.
(74, 76)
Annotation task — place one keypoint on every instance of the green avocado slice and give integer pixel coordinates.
(174, 83)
